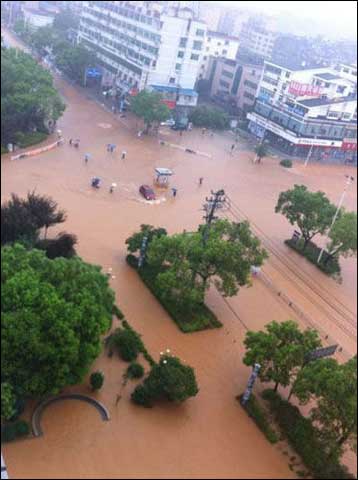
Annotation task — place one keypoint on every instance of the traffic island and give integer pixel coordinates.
(330, 266)
(202, 318)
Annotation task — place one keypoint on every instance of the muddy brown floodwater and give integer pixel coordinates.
(209, 436)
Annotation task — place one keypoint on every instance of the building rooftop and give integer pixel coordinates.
(212, 33)
(328, 76)
(318, 102)
(291, 65)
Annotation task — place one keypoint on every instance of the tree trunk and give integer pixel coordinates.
(305, 244)
(290, 394)
(45, 233)
(276, 387)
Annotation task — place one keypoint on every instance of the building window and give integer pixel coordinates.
(227, 74)
(222, 83)
(224, 52)
(183, 42)
(252, 85)
(180, 54)
(171, 80)
(226, 42)
(209, 39)
(207, 49)
(205, 57)
(178, 66)
(194, 56)
(197, 45)
(200, 32)
(253, 72)
(249, 96)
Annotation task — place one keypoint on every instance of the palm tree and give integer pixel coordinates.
(261, 151)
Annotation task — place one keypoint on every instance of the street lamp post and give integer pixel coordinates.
(349, 181)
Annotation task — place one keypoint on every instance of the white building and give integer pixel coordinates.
(258, 38)
(37, 18)
(298, 108)
(143, 44)
(218, 45)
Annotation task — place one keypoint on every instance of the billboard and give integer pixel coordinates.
(304, 89)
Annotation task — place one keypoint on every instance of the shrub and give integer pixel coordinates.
(117, 312)
(255, 411)
(204, 116)
(286, 162)
(128, 344)
(141, 396)
(303, 437)
(11, 431)
(61, 246)
(24, 140)
(170, 380)
(135, 370)
(96, 380)
(312, 252)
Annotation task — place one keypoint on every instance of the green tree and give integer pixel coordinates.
(73, 61)
(135, 241)
(8, 402)
(96, 380)
(204, 116)
(261, 152)
(150, 107)
(280, 350)
(29, 100)
(23, 218)
(170, 380)
(226, 257)
(53, 313)
(43, 38)
(343, 236)
(312, 212)
(333, 389)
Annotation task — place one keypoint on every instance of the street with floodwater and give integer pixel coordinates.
(210, 436)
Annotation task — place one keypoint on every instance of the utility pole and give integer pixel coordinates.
(348, 183)
(213, 203)
(309, 153)
(250, 384)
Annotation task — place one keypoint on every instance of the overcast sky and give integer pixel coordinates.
(342, 14)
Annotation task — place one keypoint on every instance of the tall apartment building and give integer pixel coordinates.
(257, 38)
(234, 83)
(307, 111)
(217, 45)
(143, 44)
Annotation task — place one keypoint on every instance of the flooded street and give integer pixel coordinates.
(209, 436)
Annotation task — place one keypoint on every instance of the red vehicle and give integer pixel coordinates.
(147, 192)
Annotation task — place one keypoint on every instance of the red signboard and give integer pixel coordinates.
(133, 92)
(304, 89)
(349, 146)
(169, 103)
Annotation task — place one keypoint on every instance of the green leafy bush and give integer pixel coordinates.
(24, 140)
(286, 162)
(135, 370)
(11, 431)
(204, 116)
(201, 318)
(128, 344)
(117, 312)
(256, 412)
(96, 380)
(141, 396)
(312, 252)
(170, 380)
(303, 437)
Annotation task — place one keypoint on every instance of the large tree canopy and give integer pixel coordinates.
(52, 315)
(333, 387)
(188, 263)
(150, 107)
(280, 350)
(343, 236)
(312, 212)
(28, 97)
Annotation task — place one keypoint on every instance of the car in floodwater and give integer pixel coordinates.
(168, 123)
(147, 192)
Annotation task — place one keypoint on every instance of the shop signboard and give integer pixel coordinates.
(304, 89)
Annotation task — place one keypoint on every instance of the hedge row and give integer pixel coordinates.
(255, 411)
(312, 252)
(24, 140)
(200, 319)
(302, 436)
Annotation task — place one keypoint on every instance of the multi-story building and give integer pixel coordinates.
(36, 18)
(306, 111)
(217, 45)
(142, 44)
(235, 83)
(257, 38)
